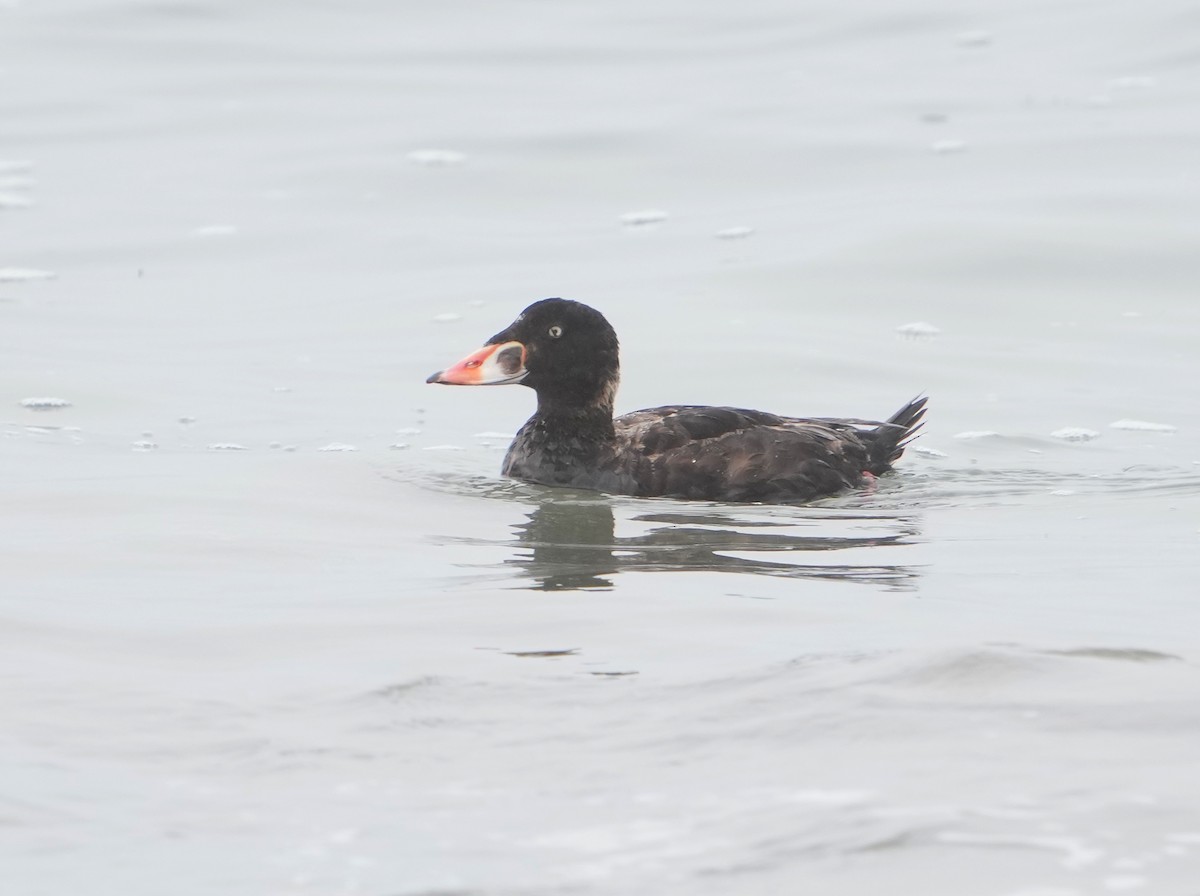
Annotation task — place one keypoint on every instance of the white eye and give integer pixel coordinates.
(555, 331)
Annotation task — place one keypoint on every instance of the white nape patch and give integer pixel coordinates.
(976, 434)
(925, 451)
(437, 158)
(918, 329)
(1142, 426)
(44, 404)
(1075, 434)
(338, 446)
(227, 446)
(643, 217)
(734, 233)
(24, 275)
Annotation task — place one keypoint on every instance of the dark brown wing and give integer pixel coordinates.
(733, 454)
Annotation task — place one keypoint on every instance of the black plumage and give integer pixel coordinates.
(568, 354)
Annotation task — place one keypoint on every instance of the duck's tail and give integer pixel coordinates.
(888, 440)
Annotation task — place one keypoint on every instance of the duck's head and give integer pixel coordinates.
(563, 350)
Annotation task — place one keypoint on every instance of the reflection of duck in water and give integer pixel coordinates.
(568, 545)
(567, 353)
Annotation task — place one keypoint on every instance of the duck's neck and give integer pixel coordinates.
(560, 421)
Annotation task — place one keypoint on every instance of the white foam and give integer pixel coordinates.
(926, 451)
(338, 446)
(1075, 434)
(22, 275)
(918, 329)
(1142, 426)
(437, 158)
(227, 446)
(144, 446)
(493, 435)
(734, 233)
(445, 448)
(44, 404)
(447, 317)
(643, 217)
(976, 434)
(215, 230)
(948, 147)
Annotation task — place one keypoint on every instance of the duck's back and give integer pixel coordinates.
(734, 454)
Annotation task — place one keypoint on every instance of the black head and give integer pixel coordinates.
(563, 350)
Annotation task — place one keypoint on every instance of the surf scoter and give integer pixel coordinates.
(567, 353)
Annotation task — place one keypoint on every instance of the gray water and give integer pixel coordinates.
(297, 668)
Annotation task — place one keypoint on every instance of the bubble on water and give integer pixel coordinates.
(144, 445)
(976, 434)
(918, 329)
(643, 217)
(734, 233)
(437, 158)
(948, 147)
(24, 275)
(1075, 434)
(338, 446)
(215, 230)
(926, 451)
(1142, 426)
(227, 446)
(447, 317)
(44, 403)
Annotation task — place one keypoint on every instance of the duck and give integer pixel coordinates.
(568, 353)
